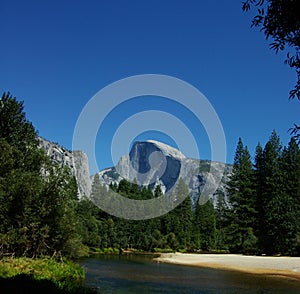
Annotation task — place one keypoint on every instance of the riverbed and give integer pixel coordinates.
(142, 274)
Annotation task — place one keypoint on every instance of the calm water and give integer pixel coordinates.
(139, 274)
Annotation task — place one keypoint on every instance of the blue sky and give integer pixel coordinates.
(55, 55)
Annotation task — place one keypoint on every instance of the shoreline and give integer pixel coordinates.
(285, 267)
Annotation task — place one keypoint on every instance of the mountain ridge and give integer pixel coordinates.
(152, 163)
(76, 160)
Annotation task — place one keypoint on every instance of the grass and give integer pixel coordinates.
(19, 274)
(109, 250)
(163, 250)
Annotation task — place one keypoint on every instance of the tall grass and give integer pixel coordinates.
(65, 275)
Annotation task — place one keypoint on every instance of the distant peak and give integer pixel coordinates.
(166, 149)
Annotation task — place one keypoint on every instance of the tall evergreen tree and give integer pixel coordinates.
(157, 191)
(221, 220)
(258, 186)
(270, 194)
(291, 171)
(284, 207)
(277, 185)
(183, 215)
(20, 134)
(241, 196)
(205, 221)
(36, 195)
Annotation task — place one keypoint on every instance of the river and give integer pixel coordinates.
(140, 274)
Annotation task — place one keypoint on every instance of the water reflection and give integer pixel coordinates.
(139, 274)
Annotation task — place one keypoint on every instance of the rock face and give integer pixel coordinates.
(77, 161)
(149, 162)
(152, 163)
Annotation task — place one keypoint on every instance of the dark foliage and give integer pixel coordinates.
(264, 214)
(36, 196)
(26, 284)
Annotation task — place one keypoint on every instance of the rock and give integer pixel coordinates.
(151, 162)
(77, 161)
(82, 173)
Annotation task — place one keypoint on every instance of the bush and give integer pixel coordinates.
(182, 250)
(109, 250)
(250, 244)
(219, 251)
(64, 275)
(163, 250)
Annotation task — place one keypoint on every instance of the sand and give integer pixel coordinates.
(280, 266)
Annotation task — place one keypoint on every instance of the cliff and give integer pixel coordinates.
(151, 163)
(77, 161)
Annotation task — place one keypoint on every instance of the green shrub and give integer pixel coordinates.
(219, 251)
(163, 250)
(109, 250)
(65, 275)
(182, 250)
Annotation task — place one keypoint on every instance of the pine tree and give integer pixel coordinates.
(146, 192)
(241, 196)
(221, 220)
(284, 207)
(89, 225)
(258, 186)
(36, 195)
(270, 194)
(291, 171)
(183, 215)
(205, 222)
(20, 134)
(157, 191)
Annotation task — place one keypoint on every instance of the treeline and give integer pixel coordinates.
(38, 198)
(263, 215)
(260, 215)
(180, 229)
(41, 215)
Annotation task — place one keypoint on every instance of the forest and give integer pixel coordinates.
(259, 215)
(41, 215)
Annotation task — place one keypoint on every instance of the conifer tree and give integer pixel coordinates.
(221, 220)
(270, 194)
(258, 186)
(183, 215)
(241, 196)
(284, 207)
(157, 191)
(36, 195)
(291, 171)
(205, 221)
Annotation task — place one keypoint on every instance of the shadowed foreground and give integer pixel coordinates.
(22, 284)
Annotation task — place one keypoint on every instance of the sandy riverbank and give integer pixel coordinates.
(279, 266)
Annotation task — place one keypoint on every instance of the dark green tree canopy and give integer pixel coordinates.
(14, 126)
(241, 195)
(36, 196)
